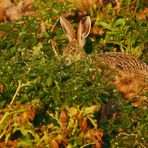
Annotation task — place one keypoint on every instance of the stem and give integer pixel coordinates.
(54, 25)
(53, 44)
(93, 143)
(136, 7)
(19, 86)
(4, 117)
(18, 89)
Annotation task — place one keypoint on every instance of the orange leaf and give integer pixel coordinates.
(42, 128)
(136, 104)
(63, 117)
(2, 10)
(54, 144)
(83, 123)
(1, 88)
(98, 145)
(143, 15)
(96, 135)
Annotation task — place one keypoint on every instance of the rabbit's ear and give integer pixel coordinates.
(83, 30)
(68, 28)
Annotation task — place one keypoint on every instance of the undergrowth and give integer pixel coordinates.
(44, 103)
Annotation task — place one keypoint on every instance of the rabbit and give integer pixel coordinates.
(131, 74)
(73, 51)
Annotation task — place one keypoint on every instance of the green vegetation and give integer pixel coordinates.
(44, 103)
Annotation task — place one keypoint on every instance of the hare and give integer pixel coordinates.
(131, 74)
(73, 51)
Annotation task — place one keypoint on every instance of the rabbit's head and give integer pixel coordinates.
(74, 50)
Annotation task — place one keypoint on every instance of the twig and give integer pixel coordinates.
(53, 44)
(54, 25)
(18, 89)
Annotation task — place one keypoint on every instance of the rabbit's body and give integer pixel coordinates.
(131, 74)
(123, 62)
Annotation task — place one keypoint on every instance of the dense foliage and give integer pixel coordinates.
(45, 103)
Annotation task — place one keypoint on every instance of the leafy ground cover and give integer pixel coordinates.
(44, 103)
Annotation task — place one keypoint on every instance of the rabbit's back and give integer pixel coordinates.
(123, 62)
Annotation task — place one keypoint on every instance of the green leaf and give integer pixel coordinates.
(120, 22)
(105, 25)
